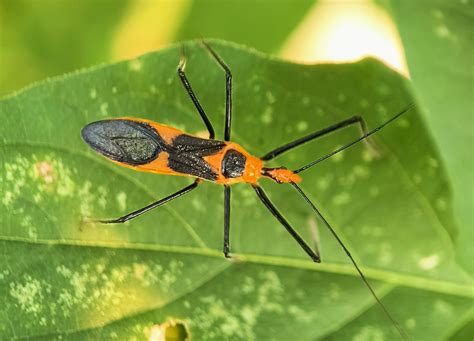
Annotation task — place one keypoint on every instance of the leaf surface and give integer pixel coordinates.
(394, 212)
(438, 46)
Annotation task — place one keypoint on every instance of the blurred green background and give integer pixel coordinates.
(40, 39)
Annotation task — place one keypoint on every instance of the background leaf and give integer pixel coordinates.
(119, 281)
(438, 46)
(33, 46)
(264, 24)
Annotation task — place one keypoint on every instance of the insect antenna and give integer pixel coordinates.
(318, 213)
(363, 137)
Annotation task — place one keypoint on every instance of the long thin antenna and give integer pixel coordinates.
(373, 131)
(318, 213)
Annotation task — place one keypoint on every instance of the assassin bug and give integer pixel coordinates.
(152, 147)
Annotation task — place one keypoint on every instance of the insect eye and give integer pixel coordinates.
(233, 164)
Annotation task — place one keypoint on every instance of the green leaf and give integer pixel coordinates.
(394, 213)
(438, 46)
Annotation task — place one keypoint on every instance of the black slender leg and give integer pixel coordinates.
(362, 276)
(228, 91)
(189, 90)
(273, 210)
(352, 120)
(226, 221)
(139, 212)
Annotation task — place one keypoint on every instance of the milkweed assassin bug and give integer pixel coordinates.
(148, 146)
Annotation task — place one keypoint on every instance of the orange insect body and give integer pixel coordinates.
(252, 172)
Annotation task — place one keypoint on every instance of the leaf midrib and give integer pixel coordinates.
(405, 280)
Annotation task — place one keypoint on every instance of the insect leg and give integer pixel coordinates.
(318, 213)
(347, 122)
(226, 221)
(139, 212)
(228, 90)
(273, 210)
(189, 90)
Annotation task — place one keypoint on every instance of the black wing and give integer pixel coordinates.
(186, 156)
(126, 141)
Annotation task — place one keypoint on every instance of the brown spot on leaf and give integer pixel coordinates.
(45, 171)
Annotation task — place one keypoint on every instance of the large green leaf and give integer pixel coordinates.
(394, 212)
(438, 46)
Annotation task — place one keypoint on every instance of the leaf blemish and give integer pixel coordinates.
(369, 333)
(302, 126)
(385, 254)
(198, 205)
(381, 109)
(410, 323)
(29, 295)
(230, 321)
(44, 170)
(43, 175)
(122, 200)
(135, 65)
(324, 182)
(374, 231)
(176, 330)
(341, 198)
(383, 89)
(429, 262)
(4, 274)
(437, 14)
(334, 291)
(249, 285)
(270, 97)
(361, 171)
(433, 162)
(339, 156)
(7, 198)
(156, 274)
(267, 116)
(104, 109)
(403, 123)
(443, 32)
(102, 196)
(443, 307)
